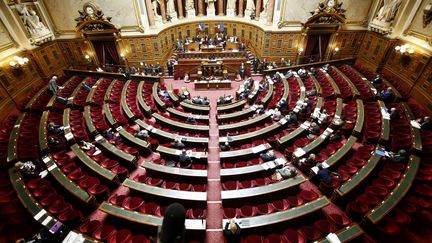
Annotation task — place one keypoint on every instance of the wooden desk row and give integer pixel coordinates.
(182, 115)
(367, 82)
(253, 122)
(238, 115)
(238, 105)
(196, 109)
(172, 95)
(385, 124)
(35, 98)
(123, 101)
(170, 136)
(253, 94)
(158, 101)
(347, 234)
(287, 215)
(166, 193)
(174, 171)
(174, 153)
(90, 95)
(182, 126)
(354, 90)
(360, 118)
(88, 119)
(75, 92)
(242, 194)
(332, 83)
(244, 153)
(13, 140)
(338, 155)
(118, 153)
(53, 98)
(146, 219)
(398, 193)
(43, 132)
(316, 84)
(141, 101)
(108, 91)
(138, 143)
(415, 132)
(269, 94)
(285, 87)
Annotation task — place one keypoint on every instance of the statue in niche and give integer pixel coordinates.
(31, 21)
(264, 12)
(171, 12)
(231, 4)
(211, 7)
(250, 5)
(190, 5)
(155, 4)
(388, 11)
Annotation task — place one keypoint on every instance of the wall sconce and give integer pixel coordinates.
(87, 57)
(336, 50)
(141, 64)
(122, 55)
(406, 49)
(427, 15)
(18, 62)
(300, 51)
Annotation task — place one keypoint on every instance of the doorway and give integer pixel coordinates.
(106, 51)
(316, 47)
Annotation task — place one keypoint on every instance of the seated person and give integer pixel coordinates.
(232, 232)
(289, 74)
(314, 128)
(178, 143)
(336, 137)
(55, 141)
(313, 71)
(308, 162)
(387, 95)
(426, 124)
(394, 114)
(276, 116)
(291, 118)
(305, 106)
(400, 157)
(311, 92)
(326, 67)
(338, 122)
(183, 96)
(197, 100)
(205, 101)
(164, 94)
(260, 109)
(190, 118)
(55, 129)
(86, 87)
(143, 133)
(282, 105)
(377, 81)
(225, 146)
(322, 118)
(268, 156)
(27, 168)
(185, 160)
(284, 173)
(324, 175)
(87, 146)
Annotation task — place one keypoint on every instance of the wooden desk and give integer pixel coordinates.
(197, 109)
(108, 91)
(92, 91)
(35, 98)
(301, 87)
(170, 136)
(147, 219)
(286, 87)
(13, 140)
(65, 182)
(262, 168)
(369, 84)
(32, 206)
(173, 96)
(156, 97)
(242, 194)
(175, 171)
(332, 83)
(118, 153)
(88, 120)
(398, 193)
(66, 125)
(127, 111)
(316, 84)
(140, 144)
(182, 126)
(346, 234)
(238, 115)
(269, 94)
(253, 122)
(141, 101)
(360, 118)
(75, 92)
(165, 193)
(170, 152)
(385, 125)
(108, 115)
(354, 90)
(282, 216)
(244, 153)
(43, 133)
(239, 104)
(253, 94)
(334, 158)
(359, 176)
(92, 165)
(182, 115)
(415, 132)
(50, 103)
(212, 84)
(193, 46)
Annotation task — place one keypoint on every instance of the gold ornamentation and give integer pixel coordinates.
(91, 12)
(427, 15)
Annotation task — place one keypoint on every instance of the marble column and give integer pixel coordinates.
(200, 7)
(220, 4)
(258, 9)
(150, 13)
(180, 9)
(270, 10)
(240, 8)
(163, 10)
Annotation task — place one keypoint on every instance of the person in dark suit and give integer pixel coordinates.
(394, 114)
(242, 71)
(427, 124)
(255, 64)
(185, 160)
(170, 68)
(232, 232)
(268, 156)
(324, 175)
(225, 146)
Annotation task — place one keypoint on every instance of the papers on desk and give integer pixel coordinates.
(315, 168)
(327, 132)
(40, 214)
(46, 159)
(374, 91)
(305, 125)
(382, 153)
(282, 121)
(415, 124)
(98, 138)
(384, 113)
(73, 237)
(68, 136)
(299, 152)
(333, 238)
(258, 149)
(198, 155)
(316, 113)
(119, 128)
(253, 107)
(149, 128)
(303, 89)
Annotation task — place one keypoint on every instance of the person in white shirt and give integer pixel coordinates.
(276, 116)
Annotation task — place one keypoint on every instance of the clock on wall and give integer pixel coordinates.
(90, 8)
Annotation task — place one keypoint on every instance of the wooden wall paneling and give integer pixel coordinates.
(349, 43)
(373, 50)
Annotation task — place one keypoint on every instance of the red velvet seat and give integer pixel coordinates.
(311, 233)
(389, 227)
(104, 232)
(197, 213)
(99, 191)
(294, 236)
(263, 209)
(274, 238)
(185, 186)
(88, 182)
(109, 164)
(77, 175)
(308, 195)
(72, 216)
(132, 203)
(229, 185)
(377, 191)
(253, 239)
(384, 182)
(230, 213)
(199, 188)
(400, 217)
(357, 209)
(368, 199)
(295, 201)
(149, 208)
(121, 236)
(247, 211)
(89, 226)
(339, 219)
(280, 205)
(424, 190)
(121, 171)
(140, 239)
(325, 226)
(170, 185)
